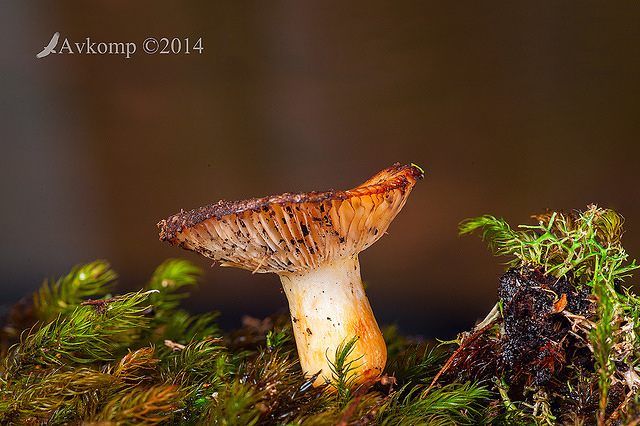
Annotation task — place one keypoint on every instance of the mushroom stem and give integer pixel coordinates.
(328, 307)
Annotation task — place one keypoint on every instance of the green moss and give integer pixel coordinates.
(138, 358)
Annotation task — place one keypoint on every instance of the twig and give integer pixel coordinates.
(101, 305)
(464, 344)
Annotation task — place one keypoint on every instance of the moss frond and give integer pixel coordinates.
(581, 244)
(136, 368)
(167, 279)
(417, 364)
(62, 296)
(343, 377)
(39, 396)
(143, 405)
(502, 240)
(87, 335)
(237, 404)
(460, 404)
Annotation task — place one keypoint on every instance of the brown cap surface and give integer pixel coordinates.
(293, 231)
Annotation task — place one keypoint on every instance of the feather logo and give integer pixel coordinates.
(49, 48)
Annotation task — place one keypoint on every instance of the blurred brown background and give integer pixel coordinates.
(510, 108)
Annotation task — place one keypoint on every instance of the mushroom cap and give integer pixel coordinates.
(294, 231)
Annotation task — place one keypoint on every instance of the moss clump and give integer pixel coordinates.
(83, 356)
(562, 343)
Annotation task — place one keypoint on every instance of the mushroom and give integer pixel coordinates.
(311, 240)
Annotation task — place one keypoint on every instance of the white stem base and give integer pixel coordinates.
(328, 307)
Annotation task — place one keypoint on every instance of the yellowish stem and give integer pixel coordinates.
(328, 307)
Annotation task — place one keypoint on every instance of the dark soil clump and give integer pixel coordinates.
(534, 347)
(536, 338)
